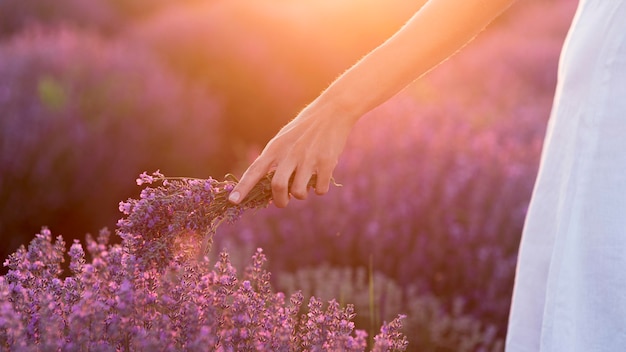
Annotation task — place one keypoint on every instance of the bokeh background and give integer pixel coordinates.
(436, 181)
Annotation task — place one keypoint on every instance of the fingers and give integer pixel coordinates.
(299, 187)
(291, 157)
(280, 185)
(324, 174)
(250, 178)
(282, 190)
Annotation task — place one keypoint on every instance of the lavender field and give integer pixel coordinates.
(417, 245)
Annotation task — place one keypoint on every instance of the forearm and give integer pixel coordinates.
(435, 32)
(312, 142)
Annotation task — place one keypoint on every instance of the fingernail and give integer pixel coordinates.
(234, 197)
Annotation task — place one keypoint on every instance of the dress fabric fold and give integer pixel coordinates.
(570, 286)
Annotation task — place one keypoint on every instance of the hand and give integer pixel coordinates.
(309, 144)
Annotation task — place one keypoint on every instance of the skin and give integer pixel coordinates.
(313, 141)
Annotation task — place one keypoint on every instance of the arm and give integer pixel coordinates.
(312, 142)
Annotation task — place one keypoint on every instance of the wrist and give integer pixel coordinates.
(343, 110)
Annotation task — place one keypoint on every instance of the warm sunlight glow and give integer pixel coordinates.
(267, 59)
(188, 245)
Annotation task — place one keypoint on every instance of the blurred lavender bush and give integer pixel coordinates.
(429, 326)
(17, 16)
(81, 115)
(108, 17)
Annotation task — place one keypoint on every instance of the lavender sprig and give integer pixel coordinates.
(171, 218)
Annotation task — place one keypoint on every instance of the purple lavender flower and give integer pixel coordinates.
(111, 302)
(157, 290)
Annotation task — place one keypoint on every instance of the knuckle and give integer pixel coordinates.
(280, 203)
(321, 190)
(278, 185)
(299, 194)
(327, 159)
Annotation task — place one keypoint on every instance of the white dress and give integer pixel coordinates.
(570, 288)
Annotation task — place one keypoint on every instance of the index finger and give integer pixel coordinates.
(250, 178)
